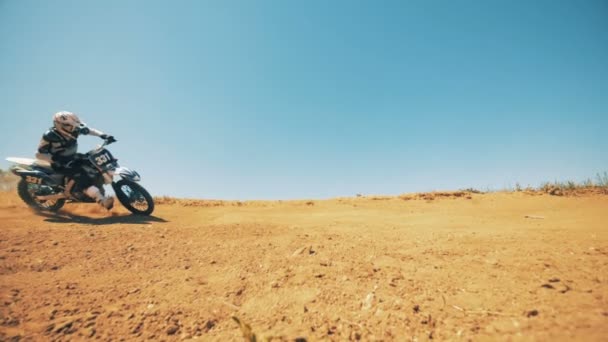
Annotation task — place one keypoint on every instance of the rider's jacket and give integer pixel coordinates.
(55, 148)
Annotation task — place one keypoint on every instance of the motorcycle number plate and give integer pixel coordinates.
(103, 159)
(33, 179)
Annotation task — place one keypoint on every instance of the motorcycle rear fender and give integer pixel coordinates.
(30, 175)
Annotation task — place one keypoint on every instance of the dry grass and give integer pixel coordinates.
(571, 188)
(8, 181)
(430, 196)
(193, 202)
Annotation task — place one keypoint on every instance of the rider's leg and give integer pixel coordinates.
(105, 201)
(69, 184)
(92, 191)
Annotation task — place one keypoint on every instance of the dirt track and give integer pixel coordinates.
(361, 268)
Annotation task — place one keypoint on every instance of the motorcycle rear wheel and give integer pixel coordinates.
(27, 193)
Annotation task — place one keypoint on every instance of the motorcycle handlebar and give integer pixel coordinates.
(107, 142)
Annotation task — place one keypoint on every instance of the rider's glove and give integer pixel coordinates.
(110, 139)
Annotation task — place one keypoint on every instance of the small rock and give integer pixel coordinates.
(532, 313)
(136, 290)
(367, 303)
(298, 251)
(65, 327)
(52, 314)
(172, 329)
(210, 324)
(548, 286)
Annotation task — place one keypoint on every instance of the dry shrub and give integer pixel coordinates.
(571, 188)
(381, 198)
(8, 181)
(167, 200)
(430, 196)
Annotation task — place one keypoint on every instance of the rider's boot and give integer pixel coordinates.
(105, 201)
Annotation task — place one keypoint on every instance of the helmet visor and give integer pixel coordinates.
(71, 129)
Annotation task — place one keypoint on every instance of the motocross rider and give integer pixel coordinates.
(59, 146)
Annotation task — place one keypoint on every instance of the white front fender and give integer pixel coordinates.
(127, 173)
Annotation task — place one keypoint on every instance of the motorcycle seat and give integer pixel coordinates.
(31, 162)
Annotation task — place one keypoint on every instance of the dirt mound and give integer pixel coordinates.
(442, 266)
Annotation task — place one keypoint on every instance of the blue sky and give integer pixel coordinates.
(316, 99)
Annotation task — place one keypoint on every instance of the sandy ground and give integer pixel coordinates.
(490, 267)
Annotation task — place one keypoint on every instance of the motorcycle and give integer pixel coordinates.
(42, 188)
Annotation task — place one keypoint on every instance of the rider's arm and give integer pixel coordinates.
(44, 148)
(84, 129)
(42, 155)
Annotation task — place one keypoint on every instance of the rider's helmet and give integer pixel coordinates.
(67, 124)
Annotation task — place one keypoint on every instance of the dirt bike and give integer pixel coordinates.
(44, 189)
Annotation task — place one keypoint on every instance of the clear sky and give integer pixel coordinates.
(316, 98)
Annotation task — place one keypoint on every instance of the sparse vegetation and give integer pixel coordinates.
(518, 187)
(572, 188)
(472, 190)
(160, 200)
(8, 181)
(564, 188)
(430, 196)
(602, 179)
(248, 334)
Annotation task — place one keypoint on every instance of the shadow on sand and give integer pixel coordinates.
(64, 217)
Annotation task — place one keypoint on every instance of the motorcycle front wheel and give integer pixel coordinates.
(133, 197)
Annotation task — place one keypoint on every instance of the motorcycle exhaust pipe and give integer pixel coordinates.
(51, 197)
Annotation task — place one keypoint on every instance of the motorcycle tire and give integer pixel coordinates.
(134, 198)
(24, 189)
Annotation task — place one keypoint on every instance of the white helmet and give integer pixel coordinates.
(67, 124)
